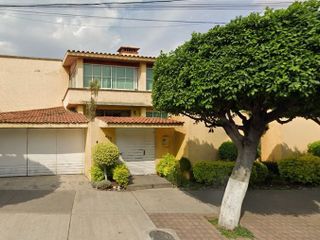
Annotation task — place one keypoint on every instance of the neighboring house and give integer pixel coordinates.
(44, 131)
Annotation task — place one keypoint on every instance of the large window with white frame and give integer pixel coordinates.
(110, 77)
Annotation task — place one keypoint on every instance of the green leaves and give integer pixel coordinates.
(266, 60)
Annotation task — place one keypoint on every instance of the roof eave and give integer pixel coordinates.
(104, 124)
(44, 125)
(106, 56)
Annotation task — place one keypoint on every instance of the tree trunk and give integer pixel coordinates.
(237, 186)
(105, 172)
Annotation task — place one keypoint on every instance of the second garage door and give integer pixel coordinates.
(41, 152)
(137, 147)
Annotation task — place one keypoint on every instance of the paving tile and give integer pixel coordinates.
(187, 226)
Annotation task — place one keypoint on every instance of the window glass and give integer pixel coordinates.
(130, 77)
(96, 72)
(87, 75)
(149, 78)
(110, 76)
(156, 114)
(106, 77)
(120, 80)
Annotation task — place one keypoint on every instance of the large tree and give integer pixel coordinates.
(241, 77)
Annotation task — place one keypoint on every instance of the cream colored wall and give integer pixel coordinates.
(281, 141)
(142, 77)
(31, 84)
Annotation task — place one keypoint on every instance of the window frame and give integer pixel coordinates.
(114, 77)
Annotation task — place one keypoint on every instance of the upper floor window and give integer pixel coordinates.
(149, 78)
(116, 77)
(157, 114)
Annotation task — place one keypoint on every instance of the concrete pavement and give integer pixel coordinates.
(67, 208)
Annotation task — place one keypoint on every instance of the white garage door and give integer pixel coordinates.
(137, 147)
(13, 152)
(41, 152)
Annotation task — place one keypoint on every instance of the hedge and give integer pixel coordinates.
(314, 148)
(304, 169)
(218, 172)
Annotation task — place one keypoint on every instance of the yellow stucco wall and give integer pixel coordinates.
(31, 83)
(94, 135)
(195, 142)
(164, 142)
(281, 141)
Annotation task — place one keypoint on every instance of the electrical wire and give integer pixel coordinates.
(113, 18)
(109, 26)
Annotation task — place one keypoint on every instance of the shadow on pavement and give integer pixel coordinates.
(267, 202)
(15, 190)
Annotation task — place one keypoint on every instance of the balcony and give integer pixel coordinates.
(110, 97)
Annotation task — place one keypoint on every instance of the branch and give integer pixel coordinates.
(240, 115)
(284, 121)
(274, 115)
(209, 123)
(232, 130)
(316, 120)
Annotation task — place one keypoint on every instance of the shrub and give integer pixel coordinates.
(166, 165)
(259, 173)
(228, 151)
(304, 169)
(97, 174)
(121, 175)
(103, 185)
(212, 172)
(273, 173)
(185, 164)
(218, 172)
(272, 167)
(169, 168)
(105, 154)
(314, 148)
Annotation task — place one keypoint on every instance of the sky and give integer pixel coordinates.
(41, 35)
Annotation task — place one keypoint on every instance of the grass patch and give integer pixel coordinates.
(238, 232)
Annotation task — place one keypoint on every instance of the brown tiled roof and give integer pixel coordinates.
(56, 115)
(140, 120)
(110, 54)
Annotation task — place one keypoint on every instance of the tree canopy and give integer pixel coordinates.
(268, 64)
(259, 68)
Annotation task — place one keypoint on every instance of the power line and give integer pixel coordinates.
(113, 18)
(85, 4)
(107, 26)
(148, 5)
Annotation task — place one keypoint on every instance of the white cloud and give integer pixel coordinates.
(51, 36)
(6, 48)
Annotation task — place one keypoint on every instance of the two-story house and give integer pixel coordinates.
(43, 127)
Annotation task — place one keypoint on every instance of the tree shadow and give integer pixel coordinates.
(201, 150)
(266, 202)
(281, 151)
